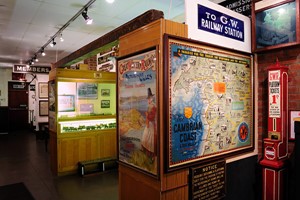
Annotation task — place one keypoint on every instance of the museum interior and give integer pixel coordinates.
(152, 100)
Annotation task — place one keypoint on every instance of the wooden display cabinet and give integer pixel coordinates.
(80, 127)
(135, 183)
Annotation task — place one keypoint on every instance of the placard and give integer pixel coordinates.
(276, 26)
(87, 90)
(214, 24)
(294, 115)
(274, 94)
(66, 103)
(43, 108)
(208, 181)
(137, 108)
(43, 90)
(209, 102)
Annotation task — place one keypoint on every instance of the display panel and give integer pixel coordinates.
(137, 111)
(87, 90)
(209, 102)
(276, 26)
(294, 115)
(43, 90)
(87, 125)
(43, 108)
(87, 99)
(66, 103)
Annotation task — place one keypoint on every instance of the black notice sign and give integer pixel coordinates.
(240, 6)
(208, 181)
(32, 87)
(31, 69)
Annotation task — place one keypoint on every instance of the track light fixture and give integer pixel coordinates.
(87, 19)
(53, 43)
(35, 58)
(61, 38)
(43, 52)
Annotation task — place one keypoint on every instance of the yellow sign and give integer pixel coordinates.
(188, 112)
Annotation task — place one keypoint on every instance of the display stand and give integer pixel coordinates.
(134, 183)
(82, 118)
(276, 145)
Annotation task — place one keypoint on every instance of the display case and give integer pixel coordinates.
(86, 125)
(82, 117)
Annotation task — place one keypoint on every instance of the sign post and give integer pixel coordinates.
(276, 144)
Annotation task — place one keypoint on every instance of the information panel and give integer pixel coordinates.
(208, 181)
(209, 102)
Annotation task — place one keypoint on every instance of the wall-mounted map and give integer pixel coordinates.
(210, 102)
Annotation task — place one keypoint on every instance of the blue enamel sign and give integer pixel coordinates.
(219, 23)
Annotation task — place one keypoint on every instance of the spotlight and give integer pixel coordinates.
(43, 52)
(87, 19)
(110, 1)
(35, 58)
(53, 43)
(61, 38)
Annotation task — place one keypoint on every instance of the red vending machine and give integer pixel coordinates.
(276, 144)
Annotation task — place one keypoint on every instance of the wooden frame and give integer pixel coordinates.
(43, 108)
(105, 92)
(43, 90)
(105, 103)
(292, 114)
(208, 103)
(270, 30)
(138, 137)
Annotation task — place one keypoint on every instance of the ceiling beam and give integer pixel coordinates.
(84, 52)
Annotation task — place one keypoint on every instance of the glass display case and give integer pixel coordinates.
(82, 117)
(80, 102)
(86, 125)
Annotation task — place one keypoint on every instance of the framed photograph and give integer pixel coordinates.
(66, 103)
(275, 26)
(137, 107)
(52, 93)
(43, 90)
(86, 108)
(105, 92)
(208, 104)
(294, 115)
(87, 90)
(43, 108)
(105, 103)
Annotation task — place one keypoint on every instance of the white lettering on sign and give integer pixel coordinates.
(270, 153)
(274, 94)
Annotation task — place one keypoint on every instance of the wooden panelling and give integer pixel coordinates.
(71, 150)
(107, 144)
(53, 151)
(133, 184)
(176, 194)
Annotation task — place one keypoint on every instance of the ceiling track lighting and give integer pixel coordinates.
(87, 19)
(43, 52)
(51, 42)
(61, 38)
(35, 58)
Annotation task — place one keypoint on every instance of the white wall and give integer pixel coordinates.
(5, 76)
(33, 98)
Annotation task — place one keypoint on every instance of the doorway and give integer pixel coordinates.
(18, 106)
